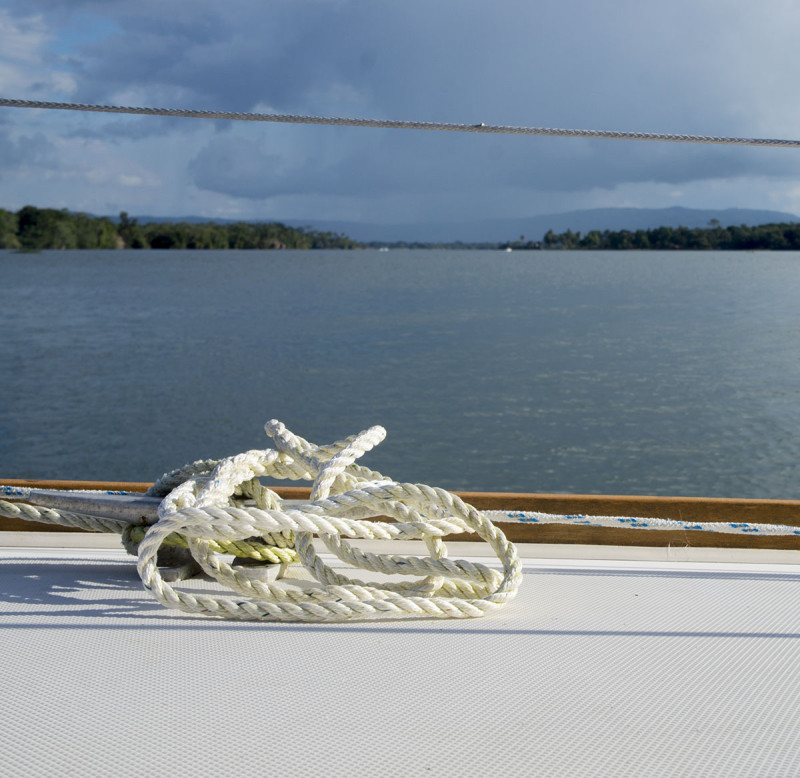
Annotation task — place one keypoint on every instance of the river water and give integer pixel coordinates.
(585, 372)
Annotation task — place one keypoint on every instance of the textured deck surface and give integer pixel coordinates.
(597, 668)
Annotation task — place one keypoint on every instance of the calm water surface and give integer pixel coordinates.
(637, 373)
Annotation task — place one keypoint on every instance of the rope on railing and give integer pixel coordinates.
(215, 507)
(402, 125)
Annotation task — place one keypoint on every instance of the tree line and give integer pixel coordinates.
(34, 229)
(768, 237)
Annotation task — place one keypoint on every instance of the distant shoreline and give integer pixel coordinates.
(34, 229)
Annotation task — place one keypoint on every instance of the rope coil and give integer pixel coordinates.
(345, 499)
(203, 508)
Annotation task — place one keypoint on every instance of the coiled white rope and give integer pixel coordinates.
(401, 125)
(207, 508)
(344, 498)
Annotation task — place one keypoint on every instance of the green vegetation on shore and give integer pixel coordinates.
(765, 237)
(34, 229)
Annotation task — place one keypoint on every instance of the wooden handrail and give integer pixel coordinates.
(698, 509)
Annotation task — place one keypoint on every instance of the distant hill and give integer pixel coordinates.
(533, 228)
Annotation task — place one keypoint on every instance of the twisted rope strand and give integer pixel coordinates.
(16, 510)
(629, 522)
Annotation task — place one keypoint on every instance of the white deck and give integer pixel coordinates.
(600, 667)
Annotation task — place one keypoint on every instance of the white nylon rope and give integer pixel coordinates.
(207, 507)
(401, 125)
(204, 503)
(344, 497)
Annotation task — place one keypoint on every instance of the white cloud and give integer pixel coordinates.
(24, 67)
(24, 39)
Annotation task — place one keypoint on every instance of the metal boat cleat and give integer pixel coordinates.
(255, 569)
(176, 564)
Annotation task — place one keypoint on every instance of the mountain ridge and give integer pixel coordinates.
(533, 227)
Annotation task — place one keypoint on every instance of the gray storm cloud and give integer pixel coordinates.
(682, 67)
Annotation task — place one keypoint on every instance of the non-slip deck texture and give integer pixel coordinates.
(597, 668)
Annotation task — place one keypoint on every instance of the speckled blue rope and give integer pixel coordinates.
(628, 522)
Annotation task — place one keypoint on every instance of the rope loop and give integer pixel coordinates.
(222, 506)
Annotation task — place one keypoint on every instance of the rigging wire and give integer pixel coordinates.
(401, 125)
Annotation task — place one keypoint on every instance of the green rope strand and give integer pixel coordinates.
(240, 548)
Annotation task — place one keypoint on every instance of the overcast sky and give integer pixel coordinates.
(685, 66)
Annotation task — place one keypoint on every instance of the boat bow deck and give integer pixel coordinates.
(599, 667)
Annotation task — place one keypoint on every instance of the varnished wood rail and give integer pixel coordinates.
(697, 509)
